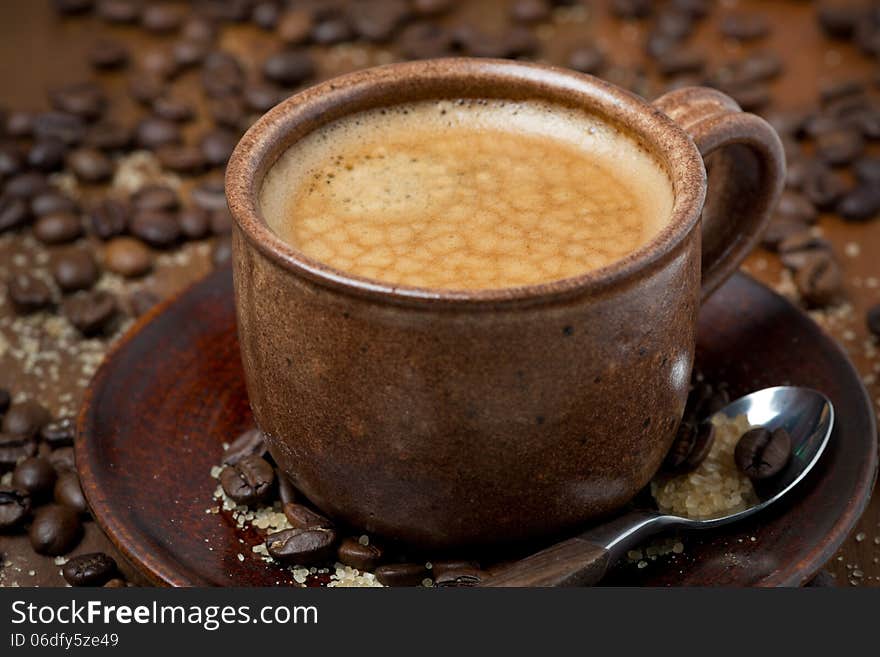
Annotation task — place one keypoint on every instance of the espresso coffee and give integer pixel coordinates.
(467, 194)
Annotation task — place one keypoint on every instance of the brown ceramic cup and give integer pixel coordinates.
(452, 418)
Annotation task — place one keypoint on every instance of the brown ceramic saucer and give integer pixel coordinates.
(172, 391)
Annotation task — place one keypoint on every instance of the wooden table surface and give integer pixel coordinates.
(38, 50)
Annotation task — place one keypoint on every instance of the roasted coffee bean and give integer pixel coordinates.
(34, 475)
(13, 212)
(83, 99)
(744, 26)
(115, 583)
(127, 257)
(677, 62)
(108, 53)
(872, 319)
(861, 203)
(109, 218)
(462, 577)
(228, 112)
(295, 26)
(19, 124)
(691, 447)
(71, 7)
(74, 270)
(440, 568)
(15, 506)
(265, 15)
(432, 7)
(182, 159)
(25, 419)
(867, 170)
(376, 21)
(248, 481)
(822, 185)
(159, 62)
(209, 195)
(249, 443)
(14, 448)
(302, 546)
(47, 155)
(819, 280)
(796, 249)
(119, 11)
(289, 67)
(779, 229)
(5, 400)
(332, 30)
(216, 146)
(92, 569)
(530, 11)
(172, 108)
(425, 41)
(153, 132)
(222, 74)
(840, 147)
(90, 313)
(68, 492)
(189, 52)
(59, 433)
(26, 185)
(199, 27)
(141, 301)
(90, 165)
(108, 136)
(11, 160)
(194, 223)
(158, 228)
(796, 207)
(52, 201)
(161, 17)
(302, 517)
(262, 97)
(402, 574)
(586, 59)
(146, 87)
(631, 9)
(762, 453)
(353, 553)
(69, 128)
(515, 42)
(221, 252)
(28, 294)
(63, 460)
(55, 530)
(286, 491)
(840, 19)
(155, 197)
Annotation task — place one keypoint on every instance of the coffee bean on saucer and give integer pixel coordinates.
(91, 313)
(302, 546)
(92, 569)
(74, 270)
(25, 419)
(249, 481)
(286, 492)
(68, 492)
(353, 553)
(52, 201)
(158, 228)
(249, 443)
(402, 574)
(127, 257)
(761, 453)
(47, 155)
(57, 228)
(15, 506)
(63, 460)
(302, 517)
(90, 165)
(819, 280)
(692, 445)
(861, 203)
(460, 578)
(109, 218)
(14, 448)
(872, 319)
(59, 433)
(194, 223)
(55, 530)
(28, 294)
(5, 400)
(34, 475)
(13, 212)
(107, 54)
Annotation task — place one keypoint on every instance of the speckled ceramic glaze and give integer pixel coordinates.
(450, 418)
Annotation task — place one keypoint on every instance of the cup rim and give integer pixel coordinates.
(269, 137)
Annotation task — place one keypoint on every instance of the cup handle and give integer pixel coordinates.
(746, 166)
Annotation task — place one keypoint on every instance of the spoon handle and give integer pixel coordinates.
(573, 562)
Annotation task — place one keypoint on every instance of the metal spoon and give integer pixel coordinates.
(807, 415)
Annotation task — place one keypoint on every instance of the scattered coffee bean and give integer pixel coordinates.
(839, 147)
(432, 7)
(209, 195)
(52, 201)
(377, 21)
(26, 185)
(822, 185)
(402, 574)
(332, 30)
(217, 146)
(90, 165)
(744, 26)
(440, 568)
(222, 74)
(872, 320)
(127, 257)
(183, 159)
(35, 476)
(108, 54)
(116, 583)
(796, 249)
(69, 128)
(59, 433)
(91, 313)
(68, 492)
(289, 68)
(119, 11)
(72, 7)
(189, 52)
(57, 228)
(631, 9)
(63, 460)
(249, 443)
(172, 108)
(153, 132)
(92, 569)
(586, 59)
(155, 197)
(260, 97)
(762, 453)
(691, 447)
(353, 553)
(796, 207)
(861, 203)
(295, 26)
(81, 99)
(840, 19)
(249, 480)
(194, 223)
(161, 17)
(55, 530)
(109, 218)
(265, 15)
(302, 546)
(302, 517)
(819, 280)
(15, 506)
(19, 124)
(28, 294)
(25, 419)
(74, 270)
(145, 87)
(199, 28)
(157, 228)
(13, 213)
(5, 400)
(14, 448)
(47, 155)
(460, 578)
